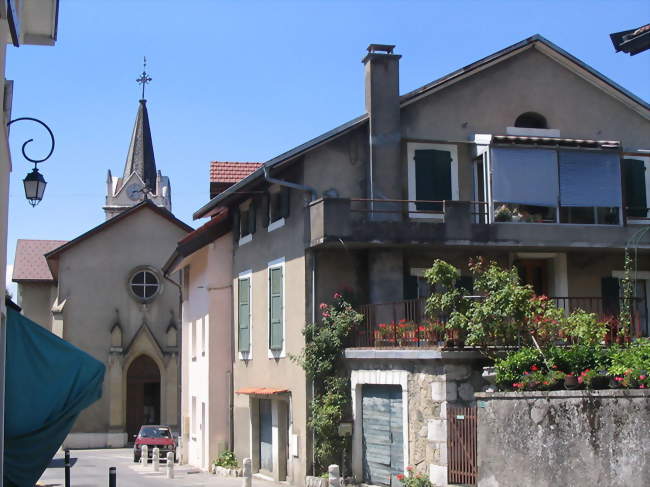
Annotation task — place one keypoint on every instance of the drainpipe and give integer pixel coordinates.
(288, 184)
(179, 344)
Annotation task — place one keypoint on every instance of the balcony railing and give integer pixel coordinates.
(405, 324)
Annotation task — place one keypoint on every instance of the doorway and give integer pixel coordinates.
(142, 395)
(535, 272)
(266, 435)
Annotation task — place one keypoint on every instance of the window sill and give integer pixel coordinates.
(245, 239)
(275, 225)
(246, 356)
(276, 354)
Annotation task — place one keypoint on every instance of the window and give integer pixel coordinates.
(193, 415)
(432, 178)
(144, 284)
(204, 325)
(244, 315)
(278, 206)
(245, 219)
(193, 340)
(531, 120)
(276, 308)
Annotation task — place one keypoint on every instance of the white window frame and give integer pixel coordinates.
(245, 206)
(247, 274)
(276, 188)
(274, 264)
(411, 147)
(646, 163)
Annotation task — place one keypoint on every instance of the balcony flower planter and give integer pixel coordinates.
(571, 382)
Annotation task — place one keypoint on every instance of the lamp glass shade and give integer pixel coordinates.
(34, 184)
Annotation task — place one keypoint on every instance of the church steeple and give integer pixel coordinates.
(140, 179)
(140, 158)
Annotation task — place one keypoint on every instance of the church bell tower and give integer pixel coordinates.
(140, 180)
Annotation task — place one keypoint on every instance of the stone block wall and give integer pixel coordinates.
(576, 438)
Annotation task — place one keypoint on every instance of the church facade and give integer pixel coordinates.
(104, 292)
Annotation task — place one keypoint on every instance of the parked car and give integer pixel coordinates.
(154, 436)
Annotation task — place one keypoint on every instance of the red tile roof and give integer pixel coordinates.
(218, 217)
(30, 263)
(231, 172)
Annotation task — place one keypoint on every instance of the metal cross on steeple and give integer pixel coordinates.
(144, 78)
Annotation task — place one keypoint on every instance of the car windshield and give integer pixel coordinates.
(154, 432)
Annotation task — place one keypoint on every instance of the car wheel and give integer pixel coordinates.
(136, 458)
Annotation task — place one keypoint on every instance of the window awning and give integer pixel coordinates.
(261, 391)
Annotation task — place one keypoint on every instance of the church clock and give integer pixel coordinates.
(134, 191)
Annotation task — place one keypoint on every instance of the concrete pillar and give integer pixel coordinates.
(170, 465)
(381, 68)
(144, 454)
(155, 459)
(385, 276)
(247, 479)
(334, 476)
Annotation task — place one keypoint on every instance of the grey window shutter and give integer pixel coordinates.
(285, 202)
(634, 184)
(252, 217)
(244, 315)
(432, 178)
(266, 209)
(275, 311)
(235, 225)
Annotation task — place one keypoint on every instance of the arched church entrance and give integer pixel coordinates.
(142, 394)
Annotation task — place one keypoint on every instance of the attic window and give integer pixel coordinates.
(531, 120)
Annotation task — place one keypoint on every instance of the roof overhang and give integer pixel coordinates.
(261, 391)
(632, 41)
(33, 22)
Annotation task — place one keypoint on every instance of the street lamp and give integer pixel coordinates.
(34, 182)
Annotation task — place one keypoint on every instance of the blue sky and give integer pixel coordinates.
(248, 80)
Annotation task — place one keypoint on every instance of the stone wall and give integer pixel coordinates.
(576, 438)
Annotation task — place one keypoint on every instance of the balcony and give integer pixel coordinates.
(364, 222)
(404, 324)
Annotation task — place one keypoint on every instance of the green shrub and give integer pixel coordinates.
(510, 369)
(635, 357)
(226, 460)
(585, 327)
(577, 358)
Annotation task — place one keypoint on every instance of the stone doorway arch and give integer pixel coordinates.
(142, 394)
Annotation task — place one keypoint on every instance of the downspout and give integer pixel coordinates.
(179, 343)
(288, 184)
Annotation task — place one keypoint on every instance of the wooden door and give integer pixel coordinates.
(535, 273)
(142, 395)
(383, 439)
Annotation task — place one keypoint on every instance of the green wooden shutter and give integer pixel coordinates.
(244, 315)
(252, 217)
(285, 202)
(634, 187)
(265, 209)
(275, 311)
(432, 178)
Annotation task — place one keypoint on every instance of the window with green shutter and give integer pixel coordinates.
(276, 337)
(432, 178)
(244, 315)
(634, 187)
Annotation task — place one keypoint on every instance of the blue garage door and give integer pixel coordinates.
(383, 439)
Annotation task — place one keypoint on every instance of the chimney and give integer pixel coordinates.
(382, 104)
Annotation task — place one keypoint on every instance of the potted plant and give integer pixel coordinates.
(571, 381)
(503, 214)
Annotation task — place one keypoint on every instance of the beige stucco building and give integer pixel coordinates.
(105, 292)
(528, 157)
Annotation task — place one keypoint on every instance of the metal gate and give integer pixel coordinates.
(461, 443)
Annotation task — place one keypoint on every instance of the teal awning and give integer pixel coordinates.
(48, 382)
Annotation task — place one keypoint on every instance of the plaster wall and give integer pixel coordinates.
(261, 369)
(36, 299)
(587, 269)
(93, 280)
(491, 100)
(586, 437)
(208, 362)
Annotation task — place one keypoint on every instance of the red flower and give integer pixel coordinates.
(641, 386)
(400, 477)
(642, 377)
(534, 367)
(554, 366)
(580, 380)
(409, 468)
(323, 306)
(326, 314)
(337, 296)
(526, 373)
(618, 379)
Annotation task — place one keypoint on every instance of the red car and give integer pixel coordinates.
(154, 436)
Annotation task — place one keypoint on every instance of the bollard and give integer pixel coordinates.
(247, 479)
(334, 479)
(144, 455)
(112, 477)
(170, 465)
(155, 459)
(66, 464)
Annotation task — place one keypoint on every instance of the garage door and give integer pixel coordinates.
(383, 443)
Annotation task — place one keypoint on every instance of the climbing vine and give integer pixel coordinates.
(322, 360)
(627, 284)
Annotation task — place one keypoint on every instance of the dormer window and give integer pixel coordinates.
(246, 223)
(531, 120)
(278, 202)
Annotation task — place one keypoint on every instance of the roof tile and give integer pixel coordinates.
(231, 172)
(30, 263)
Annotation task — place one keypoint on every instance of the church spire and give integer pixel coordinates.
(140, 158)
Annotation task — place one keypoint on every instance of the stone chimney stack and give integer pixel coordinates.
(382, 104)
